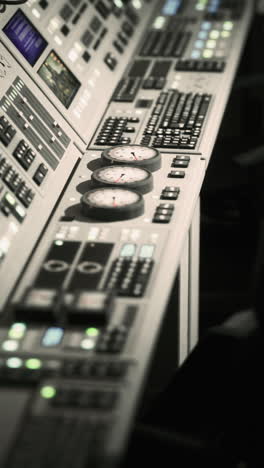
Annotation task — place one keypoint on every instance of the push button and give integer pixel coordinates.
(176, 174)
(40, 174)
(110, 61)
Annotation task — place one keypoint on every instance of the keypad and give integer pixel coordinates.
(114, 129)
(7, 131)
(129, 276)
(176, 120)
(18, 187)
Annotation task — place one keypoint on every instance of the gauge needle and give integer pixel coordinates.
(114, 202)
(134, 155)
(119, 178)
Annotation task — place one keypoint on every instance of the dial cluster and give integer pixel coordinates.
(120, 183)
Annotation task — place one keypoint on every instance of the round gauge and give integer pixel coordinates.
(112, 204)
(138, 155)
(132, 177)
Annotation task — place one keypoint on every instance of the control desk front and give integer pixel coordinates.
(109, 111)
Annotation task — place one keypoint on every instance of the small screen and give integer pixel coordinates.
(25, 37)
(59, 79)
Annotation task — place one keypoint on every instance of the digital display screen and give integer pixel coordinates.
(59, 79)
(25, 37)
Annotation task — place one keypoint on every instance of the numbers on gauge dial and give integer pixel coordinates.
(121, 174)
(111, 198)
(112, 204)
(132, 153)
(138, 155)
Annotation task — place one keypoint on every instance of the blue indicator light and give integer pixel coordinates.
(52, 337)
(171, 7)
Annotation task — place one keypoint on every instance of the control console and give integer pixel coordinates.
(109, 111)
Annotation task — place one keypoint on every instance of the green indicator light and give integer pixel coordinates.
(228, 25)
(207, 53)
(48, 392)
(214, 34)
(17, 331)
(225, 34)
(33, 364)
(92, 332)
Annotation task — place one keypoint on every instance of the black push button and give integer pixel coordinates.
(87, 38)
(65, 30)
(90, 307)
(176, 174)
(179, 163)
(37, 305)
(43, 4)
(66, 12)
(40, 174)
(167, 195)
(166, 206)
(86, 56)
(127, 28)
(7, 135)
(160, 218)
(110, 61)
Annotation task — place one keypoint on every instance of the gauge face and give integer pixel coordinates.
(130, 176)
(112, 204)
(144, 156)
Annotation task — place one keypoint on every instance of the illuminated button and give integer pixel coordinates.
(52, 337)
(10, 345)
(92, 332)
(48, 392)
(137, 4)
(196, 54)
(147, 251)
(128, 250)
(87, 344)
(206, 25)
(199, 44)
(214, 34)
(58, 40)
(202, 35)
(159, 22)
(228, 25)
(14, 363)
(36, 13)
(33, 364)
(9, 199)
(19, 212)
(211, 44)
(118, 3)
(17, 331)
(225, 34)
(207, 53)
(59, 243)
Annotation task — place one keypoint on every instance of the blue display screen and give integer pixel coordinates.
(25, 37)
(171, 7)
